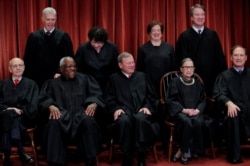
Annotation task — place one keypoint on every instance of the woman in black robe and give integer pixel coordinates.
(186, 102)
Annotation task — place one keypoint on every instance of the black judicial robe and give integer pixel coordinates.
(155, 61)
(206, 52)
(130, 94)
(43, 53)
(99, 65)
(71, 97)
(180, 96)
(23, 96)
(189, 129)
(232, 86)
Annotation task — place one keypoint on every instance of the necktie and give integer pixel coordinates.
(16, 81)
(48, 33)
(199, 32)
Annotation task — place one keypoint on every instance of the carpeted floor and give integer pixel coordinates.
(206, 160)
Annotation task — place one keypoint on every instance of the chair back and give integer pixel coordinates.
(164, 83)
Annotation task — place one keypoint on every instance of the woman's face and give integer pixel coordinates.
(187, 69)
(155, 33)
(97, 45)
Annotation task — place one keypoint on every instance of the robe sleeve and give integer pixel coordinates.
(30, 107)
(110, 98)
(94, 93)
(152, 100)
(220, 90)
(173, 105)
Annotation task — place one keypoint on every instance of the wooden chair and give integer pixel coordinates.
(30, 132)
(164, 83)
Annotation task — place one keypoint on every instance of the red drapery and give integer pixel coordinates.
(125, 21)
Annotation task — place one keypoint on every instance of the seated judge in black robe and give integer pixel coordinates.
(71, 101)
(18, 109)
(132, 102)
(233, 91)
(186, 103)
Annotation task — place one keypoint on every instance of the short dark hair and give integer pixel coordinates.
(191, 11)
(152, 24)
(238, 46)
(98, 34)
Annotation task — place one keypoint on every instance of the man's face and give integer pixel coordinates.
(69, 69)
(156, 33)
(127, 65)
(49, 21)
(198, 17)
(239, 57)
(16, 67)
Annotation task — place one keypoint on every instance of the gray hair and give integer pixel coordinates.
(62, 61)
(186, 60)
(123, 55)
(191, 11)
(48, 10)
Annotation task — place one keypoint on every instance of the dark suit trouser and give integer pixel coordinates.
(12, 136)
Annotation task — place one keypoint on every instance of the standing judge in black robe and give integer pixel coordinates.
(18, 109)
(155, 57)
(233, 91)
(203, 46)
(132, 102)
(186, 103)
(45, 48)
(71, 101)
(98, 56)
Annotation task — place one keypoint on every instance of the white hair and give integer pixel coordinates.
(48, 10)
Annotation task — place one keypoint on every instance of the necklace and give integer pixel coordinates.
(187, 82)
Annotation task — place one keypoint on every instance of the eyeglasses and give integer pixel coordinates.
(17, 65)
(69, 66)
(188, 67)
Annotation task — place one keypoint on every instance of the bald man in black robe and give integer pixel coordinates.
(18, 109)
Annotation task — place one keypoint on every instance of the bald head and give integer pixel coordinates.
(16, 67)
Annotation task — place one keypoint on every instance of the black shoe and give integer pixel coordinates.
(25, 158)
(235, 161)
(184, 161)
(6, 162)
(175, 159)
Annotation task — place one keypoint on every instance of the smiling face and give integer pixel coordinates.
(198, 17)
(127, 65)
(49, 21)
(97, 45)
(156, 33)
(239, 57)
(187, 69)
(16, 67)
(68, 69)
